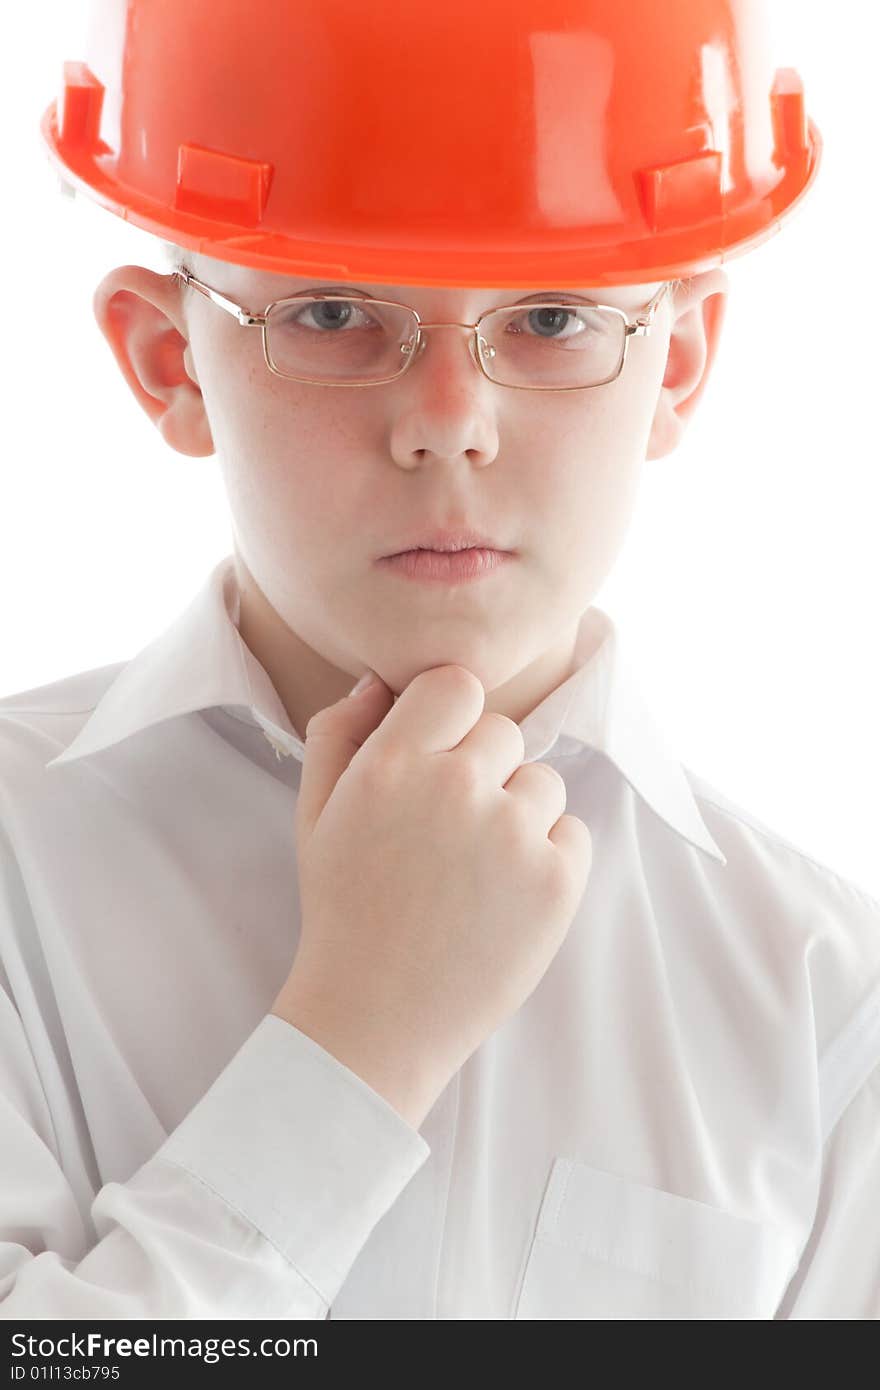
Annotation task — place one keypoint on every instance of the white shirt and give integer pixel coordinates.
(682, 1120)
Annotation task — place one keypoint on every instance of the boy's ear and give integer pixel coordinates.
(697, 315)
(141, 315)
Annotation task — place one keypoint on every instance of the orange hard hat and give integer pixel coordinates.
(499, 143)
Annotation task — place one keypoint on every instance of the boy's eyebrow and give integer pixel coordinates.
(402, 293)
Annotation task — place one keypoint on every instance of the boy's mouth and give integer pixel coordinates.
(445, 541)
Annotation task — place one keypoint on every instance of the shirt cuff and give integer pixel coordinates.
(302, 1147)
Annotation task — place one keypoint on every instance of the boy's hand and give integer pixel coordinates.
(438, 878)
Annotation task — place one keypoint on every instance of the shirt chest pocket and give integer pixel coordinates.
(609, 1247)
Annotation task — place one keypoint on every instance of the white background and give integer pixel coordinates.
(747, 590)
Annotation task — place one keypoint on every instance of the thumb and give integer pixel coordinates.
(333, 736)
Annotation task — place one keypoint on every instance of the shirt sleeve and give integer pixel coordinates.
(255, 1206)
(839, 1273)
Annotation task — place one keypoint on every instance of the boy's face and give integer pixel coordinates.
(322, 481)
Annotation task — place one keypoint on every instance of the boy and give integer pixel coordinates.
(461, 998)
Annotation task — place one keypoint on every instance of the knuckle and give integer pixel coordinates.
(497, 717)
(575, 857)
(557, 879)
(463, 674)
(321, 722)
(460, 676)
(508, 727)
(556, 775)
(583, 830)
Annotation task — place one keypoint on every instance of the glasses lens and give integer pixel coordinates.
(553, 345)
(333, 339)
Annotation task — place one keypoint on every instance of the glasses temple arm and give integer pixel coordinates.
(244, 316)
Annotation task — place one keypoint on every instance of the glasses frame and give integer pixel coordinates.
(638, 327)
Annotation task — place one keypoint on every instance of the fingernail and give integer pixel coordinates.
(368, 678)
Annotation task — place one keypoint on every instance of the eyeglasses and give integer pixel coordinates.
(331, 339)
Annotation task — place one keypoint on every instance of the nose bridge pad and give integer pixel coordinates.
(472, 347)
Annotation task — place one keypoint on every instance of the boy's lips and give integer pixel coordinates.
(447, 567)
(442, 540)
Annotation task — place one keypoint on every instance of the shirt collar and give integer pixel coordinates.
(200, 661)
